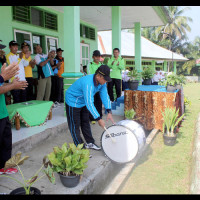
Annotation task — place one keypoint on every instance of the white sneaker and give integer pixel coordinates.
(57, 104)
(92, 146)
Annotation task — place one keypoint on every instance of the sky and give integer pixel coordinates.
(194, 13)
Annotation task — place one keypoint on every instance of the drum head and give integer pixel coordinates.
(125, 147)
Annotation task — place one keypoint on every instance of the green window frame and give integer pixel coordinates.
(87, 32)
(24, 14)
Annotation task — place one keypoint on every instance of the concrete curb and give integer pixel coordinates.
(195, 173)
(121, 177)
(36, 139)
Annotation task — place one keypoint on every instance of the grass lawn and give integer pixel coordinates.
(164, 169)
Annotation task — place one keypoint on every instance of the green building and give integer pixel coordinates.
(74, 29)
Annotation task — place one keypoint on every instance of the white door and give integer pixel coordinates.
(85, 54)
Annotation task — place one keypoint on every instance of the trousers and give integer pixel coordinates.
(117, 83)
(79, 118)
(5, 141)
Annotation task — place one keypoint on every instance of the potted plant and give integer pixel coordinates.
(130, 114)
(133, 82)
(170, 123)
(180, 81)
(147, 75)
(26, 184)
(171, 82)
(69, 162)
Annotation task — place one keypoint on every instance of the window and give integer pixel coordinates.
(87, 32)
(51, 43)
(128, 62)
(21, 13)
(33, 39)
(35, 16)
(146, 63)
(38, 39)
(50, 21)
(85, 57)
(23, 36)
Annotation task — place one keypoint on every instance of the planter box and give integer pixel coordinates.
(147, 81)
(169, 141)
(21, 191)
(171, 88)
(69, 181)
(133, 85)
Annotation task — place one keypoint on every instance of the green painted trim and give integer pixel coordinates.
(165, 66)
(153, 64)
(138, 57)
(72, 74)
(116, 27)
(160, 12)
(174, 63)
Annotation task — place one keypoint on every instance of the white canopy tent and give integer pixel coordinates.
(150, 50)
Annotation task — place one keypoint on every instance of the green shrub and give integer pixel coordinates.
(69, 160)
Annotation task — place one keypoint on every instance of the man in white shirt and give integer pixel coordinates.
(44, 63)
(13, 56)
(157, 76)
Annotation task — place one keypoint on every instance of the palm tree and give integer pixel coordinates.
(177, 25)
(192, 52)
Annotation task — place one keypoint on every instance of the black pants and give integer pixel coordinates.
(117, 83)
(98, 106)
(54, 88)
(60, 92)
(5, 141)
(154, 83)
(29, 89)
(18, 96)
(79, 118)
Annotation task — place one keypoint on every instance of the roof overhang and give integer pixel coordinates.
(101, 16)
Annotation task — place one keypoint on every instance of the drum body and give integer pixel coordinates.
(129, 138)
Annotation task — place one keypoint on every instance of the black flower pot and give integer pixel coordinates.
(171, 88)
(169, 141)
(147, 81)
(178, 87)
(70, 181)
(133, 85)
(21, 191)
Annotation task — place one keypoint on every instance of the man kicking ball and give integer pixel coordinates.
(79, 99)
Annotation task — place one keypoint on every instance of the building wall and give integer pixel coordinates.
(8, 25)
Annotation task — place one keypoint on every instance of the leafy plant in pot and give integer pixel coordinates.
(180, 81)
(130, 114)
(68, 162)
(171, 82)
(26, 184)
(133, 81)
(171, 120)
(147, 75)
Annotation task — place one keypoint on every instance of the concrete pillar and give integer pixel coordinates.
(174, 65)
(71, 52)
(165, 66)
(153, 64)
(116, 27)
(138, 52)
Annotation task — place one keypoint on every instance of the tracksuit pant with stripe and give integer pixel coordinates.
(79, 118)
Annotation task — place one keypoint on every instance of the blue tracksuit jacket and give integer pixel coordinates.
(81, 93)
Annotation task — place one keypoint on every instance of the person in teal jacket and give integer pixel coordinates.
(116, 64)
(79, 99)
